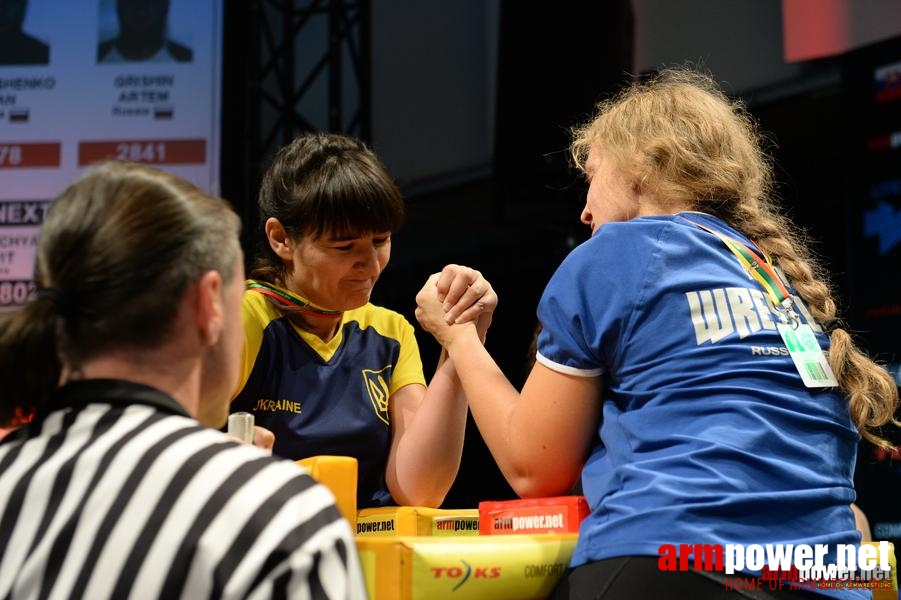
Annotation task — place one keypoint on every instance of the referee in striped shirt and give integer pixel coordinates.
(121, 486)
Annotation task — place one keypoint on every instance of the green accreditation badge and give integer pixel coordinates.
(802, 344)
(809, 358)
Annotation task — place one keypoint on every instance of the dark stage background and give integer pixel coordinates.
(837, 166)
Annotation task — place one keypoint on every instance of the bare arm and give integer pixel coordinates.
(428, 425)
(539, 438)
(426, 444)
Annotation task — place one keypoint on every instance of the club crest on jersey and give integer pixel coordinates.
(377, 387)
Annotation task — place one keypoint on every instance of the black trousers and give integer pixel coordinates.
(639, 578)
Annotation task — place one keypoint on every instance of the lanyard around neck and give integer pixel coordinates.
(760, 267)
(286, 298)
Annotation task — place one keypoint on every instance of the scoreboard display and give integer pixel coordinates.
(80, 82)
(872, 81)
(872, 77)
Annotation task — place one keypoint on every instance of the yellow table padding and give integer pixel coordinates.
(338, 474)
(417, 520)
(507, 567)
(892, 594)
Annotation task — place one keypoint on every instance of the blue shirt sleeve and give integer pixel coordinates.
(587, 306)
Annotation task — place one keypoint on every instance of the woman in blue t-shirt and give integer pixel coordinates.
(680, 367)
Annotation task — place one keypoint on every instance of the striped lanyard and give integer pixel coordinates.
(760, 267)
(802, 345)
(286, 298)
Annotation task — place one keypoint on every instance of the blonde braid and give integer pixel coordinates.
(788, 247)
(871, 390)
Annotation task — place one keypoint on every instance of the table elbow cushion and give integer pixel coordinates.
(884, 592)
(339, 475)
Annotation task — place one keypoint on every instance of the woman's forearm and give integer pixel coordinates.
(427, 458)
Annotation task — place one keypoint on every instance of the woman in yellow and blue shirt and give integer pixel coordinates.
(325, 370)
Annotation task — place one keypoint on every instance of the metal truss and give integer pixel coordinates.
(290, 66)
(313, 70)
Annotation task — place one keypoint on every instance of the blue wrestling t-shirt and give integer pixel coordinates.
(708, 435)
(330, 398)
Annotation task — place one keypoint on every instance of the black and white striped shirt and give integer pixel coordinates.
(117, 493)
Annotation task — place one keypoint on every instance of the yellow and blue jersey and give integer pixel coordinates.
(328, 397)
